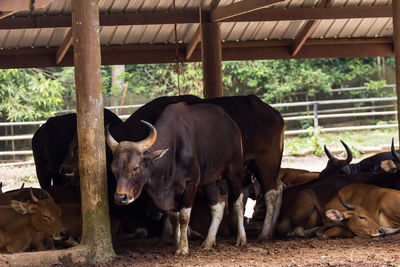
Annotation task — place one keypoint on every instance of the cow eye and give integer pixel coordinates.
(46, 217)
(135, 169)
(362, 218)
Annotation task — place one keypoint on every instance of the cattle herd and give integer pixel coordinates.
(182, 166)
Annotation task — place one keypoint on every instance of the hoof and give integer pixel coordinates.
(208, 245)
(241, 242)
(183, 251)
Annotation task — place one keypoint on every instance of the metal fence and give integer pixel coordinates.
(316, 114)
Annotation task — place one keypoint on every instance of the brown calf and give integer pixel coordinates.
(373, 211)
(20, 222)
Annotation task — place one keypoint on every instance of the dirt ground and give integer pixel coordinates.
(382, 251)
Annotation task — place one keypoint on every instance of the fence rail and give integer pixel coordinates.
(316, 115)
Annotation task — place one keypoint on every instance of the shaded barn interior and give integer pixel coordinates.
(50, 33)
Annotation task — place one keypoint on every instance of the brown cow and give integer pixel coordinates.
(291, 177)
(20, 221)
(363, 210)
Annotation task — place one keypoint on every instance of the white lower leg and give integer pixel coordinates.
(241, 235)
(217, 213)
(184, 218)
(273, 201)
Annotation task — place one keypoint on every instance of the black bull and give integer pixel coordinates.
(192, 147)
(51, 142)
(261, 127)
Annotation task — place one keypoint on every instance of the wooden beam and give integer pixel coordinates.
(194, 41)
(62, 50)
(276, 14)
(165, 53)
(6, 14)
(96, 233)
(196, 38)
(307, 30)
(239, 8)
(192, 16)
(211, 58)
(22, 5)
(396, 37)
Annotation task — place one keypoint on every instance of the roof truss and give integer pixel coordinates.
(192, 16)
(165, 53)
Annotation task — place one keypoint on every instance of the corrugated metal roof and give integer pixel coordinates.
(230, 31)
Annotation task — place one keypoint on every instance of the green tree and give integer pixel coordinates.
(28, 94)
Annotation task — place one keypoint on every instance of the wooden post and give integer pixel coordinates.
(396, 37)
(89, 106)
(211, 57)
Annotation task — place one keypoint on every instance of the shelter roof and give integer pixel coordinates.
(143, 31)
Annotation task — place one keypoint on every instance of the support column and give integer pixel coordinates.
(89, 107)
(396, 37)
(211, 57)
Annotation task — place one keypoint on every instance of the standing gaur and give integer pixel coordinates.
(262, 129)
(192, 147)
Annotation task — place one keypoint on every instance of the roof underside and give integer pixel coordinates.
(148, 26)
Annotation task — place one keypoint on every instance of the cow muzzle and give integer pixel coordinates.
(64, 235)
(123, 199)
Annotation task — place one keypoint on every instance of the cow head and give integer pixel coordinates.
(46, 216)
(356, 219)
(335, 165)
(130, 164)
(69, 168)
(392, 165)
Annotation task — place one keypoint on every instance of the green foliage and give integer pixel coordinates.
(374, 89)
(157, 80)
(275, 80)
(306, 124)
(316, 147)
(356, 140)
(28, 94)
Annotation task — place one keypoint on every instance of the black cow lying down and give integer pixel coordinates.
(192, 147)
(370, 164)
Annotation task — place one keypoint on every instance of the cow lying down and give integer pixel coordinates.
(21, 221)
(362, 210)
(70, 217)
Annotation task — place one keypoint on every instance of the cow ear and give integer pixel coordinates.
(19, 206)
(156, 155)
(334, 215)
(388, 166)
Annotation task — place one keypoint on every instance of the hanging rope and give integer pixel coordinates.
(177, 67)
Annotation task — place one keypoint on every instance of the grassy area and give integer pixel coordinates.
(358, 141)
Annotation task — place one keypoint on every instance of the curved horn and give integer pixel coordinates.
(394, 152)
(35, 199)
(346, 205)
(328, 153)
(349, 153)
(112, 143)
(145, 144)
(339, 163)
